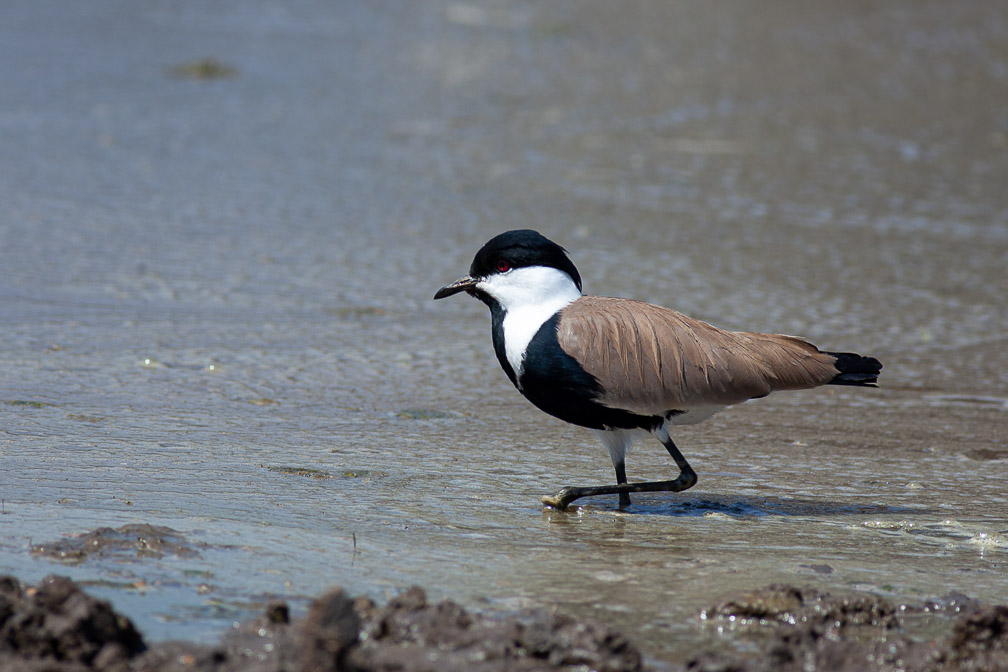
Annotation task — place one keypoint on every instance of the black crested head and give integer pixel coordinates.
(521, 248)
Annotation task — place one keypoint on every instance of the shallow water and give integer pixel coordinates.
(212, 284)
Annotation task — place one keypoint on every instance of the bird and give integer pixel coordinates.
(623, 367)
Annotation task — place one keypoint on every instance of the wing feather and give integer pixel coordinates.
(651, 359)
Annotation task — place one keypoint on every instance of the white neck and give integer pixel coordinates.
(529, 296)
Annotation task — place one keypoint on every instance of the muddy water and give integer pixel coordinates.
(215, 306)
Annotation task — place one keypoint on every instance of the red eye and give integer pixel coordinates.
(503, 266)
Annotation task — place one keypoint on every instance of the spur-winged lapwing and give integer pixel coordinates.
(619, 366)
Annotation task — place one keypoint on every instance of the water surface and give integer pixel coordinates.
(216, 315)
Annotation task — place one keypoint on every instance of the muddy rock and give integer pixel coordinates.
(56, 626)
(791, 605)
(979, 641)
(327, 632)
(790, 629)
(410, 634)
(135, 541)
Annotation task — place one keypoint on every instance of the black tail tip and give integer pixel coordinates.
(855, 369)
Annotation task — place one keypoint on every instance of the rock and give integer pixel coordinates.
(411, 634)
(55, 627)
(327, 632)
(979, 640)
(60, 627)
(791, 629)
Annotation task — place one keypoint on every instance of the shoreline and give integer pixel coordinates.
(56, 626)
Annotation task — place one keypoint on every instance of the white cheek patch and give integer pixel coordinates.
(529, 296)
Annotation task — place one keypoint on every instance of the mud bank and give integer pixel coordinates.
(139, 541)
(56, 627)
(787, 628)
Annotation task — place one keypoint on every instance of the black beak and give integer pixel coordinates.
(463, 284)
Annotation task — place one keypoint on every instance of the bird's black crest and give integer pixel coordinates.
(522, 247)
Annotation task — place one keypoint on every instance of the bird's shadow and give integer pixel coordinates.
(748, 507)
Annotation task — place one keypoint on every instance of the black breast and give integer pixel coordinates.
(556, 383)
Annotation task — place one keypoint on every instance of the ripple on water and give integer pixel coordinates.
(949, 533)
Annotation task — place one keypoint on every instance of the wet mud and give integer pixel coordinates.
(55, 626)
(134, 541)
(222, 230)
(788, 628)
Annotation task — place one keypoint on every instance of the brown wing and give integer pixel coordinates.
(651, 359)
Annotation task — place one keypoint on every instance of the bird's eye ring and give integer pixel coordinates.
(503, 266)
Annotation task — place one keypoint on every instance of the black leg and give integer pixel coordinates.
(624, 497)
(687, 479)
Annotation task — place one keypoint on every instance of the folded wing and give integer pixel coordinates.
(651, 360)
